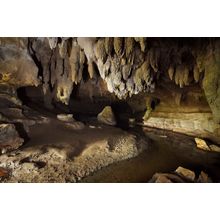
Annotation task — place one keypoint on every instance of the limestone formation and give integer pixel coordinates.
(106, 116)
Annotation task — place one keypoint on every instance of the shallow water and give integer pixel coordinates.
(167, 151)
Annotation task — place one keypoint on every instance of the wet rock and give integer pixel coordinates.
(66, 117)
(204, 178)
(9, 138)
(201, 144)
(189, 174)
(107, 116)
(166, 178)
(162, 179)
(214, 148)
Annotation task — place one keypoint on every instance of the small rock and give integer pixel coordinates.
(92, 126)
(201, 144)
(9, 138)
(204, 178)
(28, 166)
(166, 178)
(3, 172)
(107, 116)
(65, 117)
(162, 179)
(189, 174)
(214, 148)
(131, 122)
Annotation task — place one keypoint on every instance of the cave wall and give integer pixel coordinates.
(174, 83)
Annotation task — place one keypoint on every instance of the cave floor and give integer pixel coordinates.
(57, 151)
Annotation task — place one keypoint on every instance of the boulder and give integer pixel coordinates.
(107, 116)
(9, 138)
(204, 178)
(214, 148)
(201, 144)
(189, 174)
(166, 178)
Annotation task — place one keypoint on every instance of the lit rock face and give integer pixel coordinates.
(107, 116)
(17, 68)
(211, 81)
(123, 63)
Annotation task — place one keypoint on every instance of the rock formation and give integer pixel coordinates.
(107, 116)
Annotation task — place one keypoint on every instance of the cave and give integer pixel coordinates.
(109, 109)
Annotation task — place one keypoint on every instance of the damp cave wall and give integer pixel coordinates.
(168, 83)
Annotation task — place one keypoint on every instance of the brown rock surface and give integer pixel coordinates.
(106, 116)
(9, 138)
(186, 173)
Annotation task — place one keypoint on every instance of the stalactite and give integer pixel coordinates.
(118, 45)
(100, 51)
(196, 73)
(142, 42)
(109, 41)
(127, 65)
(171, 72)
(52, 42)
